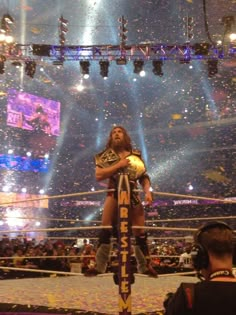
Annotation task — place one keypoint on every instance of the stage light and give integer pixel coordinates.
(201, 49)
(104, 68)
(30, 68)
(123, 31)
(8, 18)
(232, 37)
(5, 29)
(138, 66)
(58, 63)
(41, 50)
(157, 67)
(121, 61)
(84, 68)
(212, 67)
(17, 64)
(228, 22)
(2, 64)
(189, 24)
(63, 27)
(185, 60)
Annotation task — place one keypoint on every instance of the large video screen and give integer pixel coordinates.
(34, 121)
(31, 112)
(23, 163)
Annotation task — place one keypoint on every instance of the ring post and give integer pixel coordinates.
(124, 242)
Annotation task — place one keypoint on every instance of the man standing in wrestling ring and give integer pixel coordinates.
(120, 156)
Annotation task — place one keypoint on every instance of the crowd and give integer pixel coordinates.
(60, 256)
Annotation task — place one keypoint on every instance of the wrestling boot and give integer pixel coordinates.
(142, 256)
(102, 255)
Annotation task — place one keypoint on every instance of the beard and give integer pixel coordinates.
(118, 144)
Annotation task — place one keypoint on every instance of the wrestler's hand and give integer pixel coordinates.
(148, 198)
(124, 163)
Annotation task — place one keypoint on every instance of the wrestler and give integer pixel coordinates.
(119, 156)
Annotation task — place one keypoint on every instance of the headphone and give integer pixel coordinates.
(199, 253)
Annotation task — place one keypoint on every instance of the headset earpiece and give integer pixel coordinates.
(199, 253)
(200, 257)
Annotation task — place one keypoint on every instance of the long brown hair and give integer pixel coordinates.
(127, 139)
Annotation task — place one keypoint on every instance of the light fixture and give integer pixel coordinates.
(212, 67)
(121, 61)
(58, 62)
(5, 29)
(201, 49)
(228, 22)
(17, 64)
(84, 68)
(185, 60)
(2, 64)
(30, 68)
(8, 18)
(2, 67)
(157, 67)
(42, 50)
(63, 29)
(104, 68)
(123, 31)
(138, 66)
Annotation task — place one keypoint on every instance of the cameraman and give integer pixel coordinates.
(212, 257)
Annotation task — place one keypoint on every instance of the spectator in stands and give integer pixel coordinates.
(18, 257)
(185, 259)
(169, 260)
(212, 257)
(74, 261)
(88, 258)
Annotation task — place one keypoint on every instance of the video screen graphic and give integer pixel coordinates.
(31, 112)
(35, 119)
(24, 164)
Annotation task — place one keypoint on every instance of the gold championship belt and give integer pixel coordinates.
(136, 168)
(109, 157)
(106, 158)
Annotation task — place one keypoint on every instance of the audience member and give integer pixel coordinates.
(212, 257)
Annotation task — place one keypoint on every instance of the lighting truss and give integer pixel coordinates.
(146, 51)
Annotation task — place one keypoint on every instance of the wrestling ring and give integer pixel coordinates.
(73, 293)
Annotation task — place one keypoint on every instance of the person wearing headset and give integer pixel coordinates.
(212, 256)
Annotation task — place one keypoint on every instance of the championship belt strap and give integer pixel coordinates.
(106, 158)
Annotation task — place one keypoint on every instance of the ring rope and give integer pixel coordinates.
(59, 196)
(102, 227)
(80, 274)
(112, 190)
(96, 238)
(74, 256)
(191, 219)
(192, 197)
(43, 271)
(147, 221)
(77, 274)
(51, 219)
(58, 229)
(165, 228)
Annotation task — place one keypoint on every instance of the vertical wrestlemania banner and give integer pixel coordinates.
(124, 229)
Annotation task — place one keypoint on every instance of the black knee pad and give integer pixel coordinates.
(104, 236)
(141, 240)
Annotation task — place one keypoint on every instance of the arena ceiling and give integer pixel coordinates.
(183, 121)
